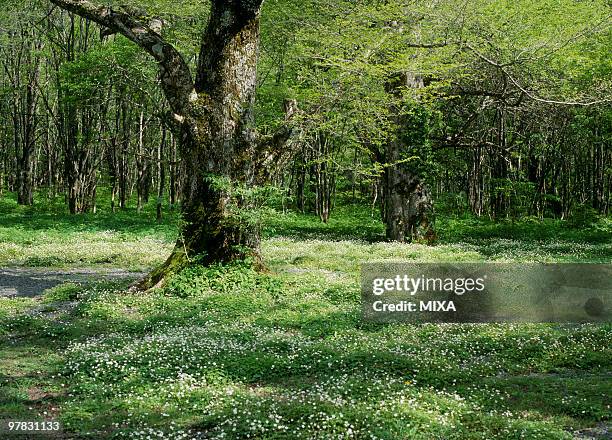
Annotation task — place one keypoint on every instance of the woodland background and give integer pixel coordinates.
(506, 113)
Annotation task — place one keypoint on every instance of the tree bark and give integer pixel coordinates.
(161, 173)
(218, 137)
(407, 200)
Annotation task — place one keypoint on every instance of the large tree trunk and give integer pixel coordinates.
(219, 140)
(407, 200)
(214, 117)
(217, 144)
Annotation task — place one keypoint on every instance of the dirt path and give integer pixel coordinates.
(603, 431)
(28, 282)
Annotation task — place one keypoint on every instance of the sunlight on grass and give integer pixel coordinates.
(229, 352)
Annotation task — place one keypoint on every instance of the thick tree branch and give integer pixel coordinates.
(273, 152)
(175, 76)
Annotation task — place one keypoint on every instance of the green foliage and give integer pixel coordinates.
(246, 204)
(451, 204)
(63, 292)
(119, 63)
(477, 61)
(239, 278)
(583, 217)
(417, 124)
(349, 222)
(518, 195)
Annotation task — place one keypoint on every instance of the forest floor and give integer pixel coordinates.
(227, 352)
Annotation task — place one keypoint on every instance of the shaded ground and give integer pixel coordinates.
(33, 282)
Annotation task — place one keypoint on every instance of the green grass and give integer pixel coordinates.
(47, 236)
(234, 353)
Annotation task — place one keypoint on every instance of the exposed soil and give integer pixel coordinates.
(28, 282)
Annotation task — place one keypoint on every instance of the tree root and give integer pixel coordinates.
(159, 276)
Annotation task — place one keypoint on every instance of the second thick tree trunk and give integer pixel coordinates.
(407, 200)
